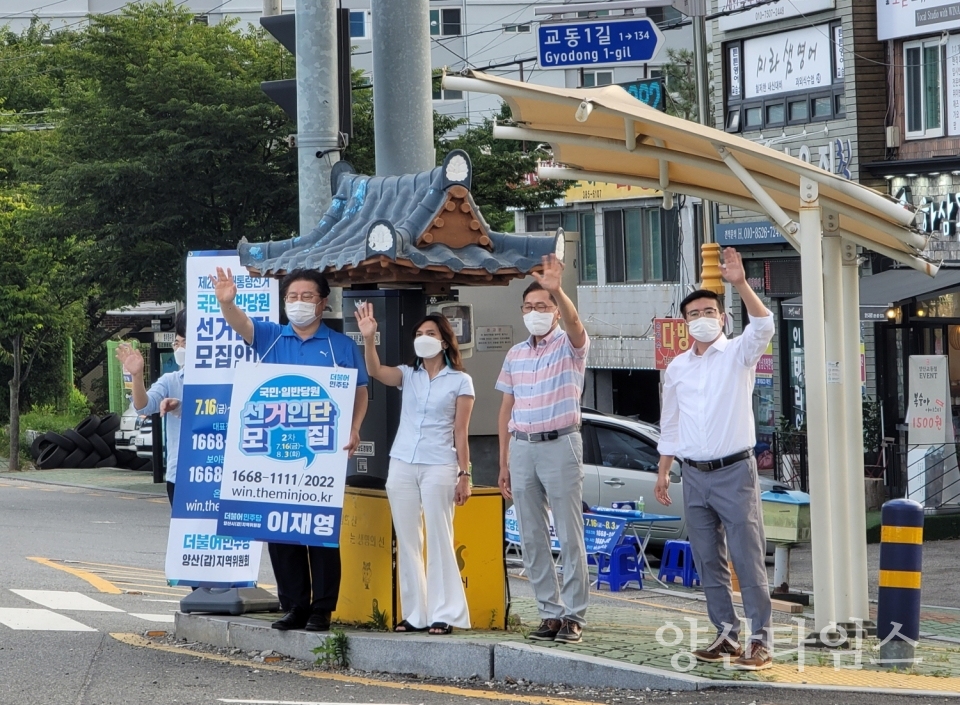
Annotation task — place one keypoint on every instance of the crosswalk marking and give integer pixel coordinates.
(40, 620)
(60, 600)
(166, 618)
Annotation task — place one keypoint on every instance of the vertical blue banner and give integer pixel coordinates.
(197, 554)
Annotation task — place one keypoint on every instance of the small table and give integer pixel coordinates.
(636, 525)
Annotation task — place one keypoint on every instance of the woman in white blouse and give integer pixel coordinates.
(428, 475)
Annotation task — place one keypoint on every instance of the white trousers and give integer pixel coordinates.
(423, 494)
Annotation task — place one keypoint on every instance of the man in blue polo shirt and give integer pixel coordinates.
(301, 570)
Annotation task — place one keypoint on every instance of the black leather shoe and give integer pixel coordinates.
(318, 622)
(294, 619)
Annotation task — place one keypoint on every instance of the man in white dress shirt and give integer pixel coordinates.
(707, 423)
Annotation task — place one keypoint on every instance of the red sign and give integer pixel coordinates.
(670, 339)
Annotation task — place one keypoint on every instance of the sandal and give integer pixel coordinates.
(440, 628)
(405, 626)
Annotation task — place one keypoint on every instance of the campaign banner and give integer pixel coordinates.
(284, 464)
(601, 534)
(511, 528)
(670, 338)
(197, 554)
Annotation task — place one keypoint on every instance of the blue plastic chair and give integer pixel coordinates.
(677, 562)
(622, 566)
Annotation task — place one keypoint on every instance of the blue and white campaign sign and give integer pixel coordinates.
(511, 528)
(597, 42)
(601, 533)
(284, 464)
(197, 554)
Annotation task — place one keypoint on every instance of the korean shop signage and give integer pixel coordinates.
(754, 12)
(907, 18)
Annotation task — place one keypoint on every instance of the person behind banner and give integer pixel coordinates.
(706, 421)
(164, 397)
(429, 464)
(541, 450)
(308, 577)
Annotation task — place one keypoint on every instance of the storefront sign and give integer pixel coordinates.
(601, 191)
(764, 373)
(798, 60)
(928, 405)
(868, 313)
(198, 554)
(953, 85)
(756, 12)
(671, 338)
(754, 232)
(908, 18)
(648, 91)
(284, 463)
(936, 216)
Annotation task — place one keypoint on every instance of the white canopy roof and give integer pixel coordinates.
(604, 134)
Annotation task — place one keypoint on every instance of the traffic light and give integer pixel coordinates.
(710, 272)
(284, 93)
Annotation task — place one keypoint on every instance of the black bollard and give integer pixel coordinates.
(898, 606)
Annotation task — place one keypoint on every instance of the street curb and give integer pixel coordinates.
(13, 476)
(547, 666)
(437, 656)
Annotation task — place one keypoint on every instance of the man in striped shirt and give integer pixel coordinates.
(541, 451)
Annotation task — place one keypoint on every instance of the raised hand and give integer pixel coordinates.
(130, 358)
(552, 275)
(732, 267)
(366, 321)
(224, 286)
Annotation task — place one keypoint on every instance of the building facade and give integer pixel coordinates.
(920, 166)
(806, 78)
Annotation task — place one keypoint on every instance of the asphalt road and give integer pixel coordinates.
(74, 652)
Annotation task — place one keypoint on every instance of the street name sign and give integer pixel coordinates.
(597, 42)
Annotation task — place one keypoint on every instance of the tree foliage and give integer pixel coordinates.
(680, 73)
(168, 145)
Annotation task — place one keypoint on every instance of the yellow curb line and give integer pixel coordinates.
(95, 580)
(138, 641)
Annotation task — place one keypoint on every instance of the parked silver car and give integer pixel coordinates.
(620, 463)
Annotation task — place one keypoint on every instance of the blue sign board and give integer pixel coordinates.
(757, 232)
(601, 534)
(648, 91)
(597, 42)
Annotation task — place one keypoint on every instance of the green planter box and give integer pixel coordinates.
(786, 516)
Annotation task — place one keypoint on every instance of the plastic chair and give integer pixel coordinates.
(621, 566)
(677, 562)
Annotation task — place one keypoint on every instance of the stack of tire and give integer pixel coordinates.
(90, 445)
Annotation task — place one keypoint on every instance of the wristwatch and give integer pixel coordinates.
(462, 473)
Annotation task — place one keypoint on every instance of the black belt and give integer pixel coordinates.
(719, 463)
(545, 435)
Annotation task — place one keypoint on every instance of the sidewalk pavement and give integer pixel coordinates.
(634, 638)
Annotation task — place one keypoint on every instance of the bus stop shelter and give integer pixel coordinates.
(604, 134)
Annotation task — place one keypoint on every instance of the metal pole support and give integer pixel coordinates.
(815, 374)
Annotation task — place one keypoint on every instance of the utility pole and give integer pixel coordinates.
(402, 92)
(272, 7)
(318, 134)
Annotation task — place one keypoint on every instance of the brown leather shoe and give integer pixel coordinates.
(722, 646)
(570, 632)
(547, 631)
(755, 657)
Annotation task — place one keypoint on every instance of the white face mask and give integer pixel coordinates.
(539, 324)
(705, 330)
(180, 356)
(301, 313)
(426, 347)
